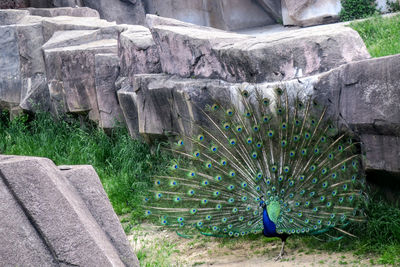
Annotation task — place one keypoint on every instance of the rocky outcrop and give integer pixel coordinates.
(126, 11)
(308, 12)
(57, 216)
(64, 11)
(222, 14)
(138, 52)
(206, 53)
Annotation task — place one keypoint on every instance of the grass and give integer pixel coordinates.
(123, 165)
(380, 35)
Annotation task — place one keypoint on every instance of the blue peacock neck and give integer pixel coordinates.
(270, 217)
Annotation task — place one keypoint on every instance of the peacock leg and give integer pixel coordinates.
(280, 256)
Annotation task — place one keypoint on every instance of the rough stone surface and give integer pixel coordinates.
(22, 65)
(222, 14)
(273, 8)
(138, 52)
(9, 16)
(71, 70)
(309, 12)
(64, 11)
(127, 101)
(367, 96)
(106, 74)
(129, 12)
(58, 212)
(4, 4)
(201, 52)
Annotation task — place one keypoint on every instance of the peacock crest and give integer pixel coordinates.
(268, 152)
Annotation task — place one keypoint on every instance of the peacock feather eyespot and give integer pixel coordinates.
(190, 192)
(234, 210)
(256, 128)
(312, 194)
(255, 213)
(322, 198)
(200, 137)
(208, 165)
(158, 195)
(270, 133)
(177, 199)
(245, 93)
(164, 222)
(283, 143)
(218, 178)
(268, 182)
(307, 204)
(273, 189)
(254, 155)
(239, 128)
(193, 211)
(314, 180)
(204, 201)
(340, 148)
(200, 223)
(244, 185)
(258, 188)
(324, 171)
(223, 162)
(292, 153)
(180, 143)
(306, 221)
(218, 207)
(291, 195)
(146, 199)
(227, 126)
(316, 150)
(301, 178)
(205, 183)
(230, 187)
(232, 174)
(284, 126)
(280, 178)
(307, 135)
(266, 119)
(247, 114)
(315, 209)
(291, 183)
(304, 152)
(324, 184)
(231, 200)
(334, 175)
(274, 168)
(286, 169)
(216, 193)
(214, 148)
(196, 154)
(215, 228)
(208, 217)
(302, 192)
(249, 140)
(147, 213)
(313, 168)
(341, 199)
(173, 183)
(266, 101)
(343, 167)
(191, 174)
(334, 193)
(296, 138)
(232, 141)
(297, 204)
(241, 218)
(230, 233)
(259, 144)
(331, 156)
(279, 91)
(345, 187)
(279, 111)
(157, 183)
(229, 112)
(248, 208)
(215, 107)
(282, 191)
(236, 235)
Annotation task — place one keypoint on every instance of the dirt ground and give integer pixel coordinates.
(157, 247)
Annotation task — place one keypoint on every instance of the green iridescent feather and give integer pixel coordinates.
(280, 148)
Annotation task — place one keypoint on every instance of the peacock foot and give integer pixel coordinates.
(280, 256)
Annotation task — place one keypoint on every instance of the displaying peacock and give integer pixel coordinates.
(271, 164)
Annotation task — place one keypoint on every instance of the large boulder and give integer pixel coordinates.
(221, 14)
(71, 69)
(309, 12)
(127, 11)
(57, 216)
(194, 51)
(273, 8)
(64, 11)
(22, 69)
(138, 52)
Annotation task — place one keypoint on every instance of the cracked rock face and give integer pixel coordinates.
(194, 51)
(57, 216)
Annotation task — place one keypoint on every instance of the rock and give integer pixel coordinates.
(273, 8)
(308, 12)
(127, 101)
(206, 53)
(137, 52)
(106, 73)
(10, 16)
(22, 66)
(5, 4)
(71, 70)
(120, 11)
(365, 94)
(57, 217)
(64, 11)
(37, 96)
(221, 14)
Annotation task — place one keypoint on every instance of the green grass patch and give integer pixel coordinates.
(124, 165)
(380, 35)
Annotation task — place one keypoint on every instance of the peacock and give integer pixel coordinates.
(273, 163)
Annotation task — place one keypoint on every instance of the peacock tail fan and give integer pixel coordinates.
(268, 146)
